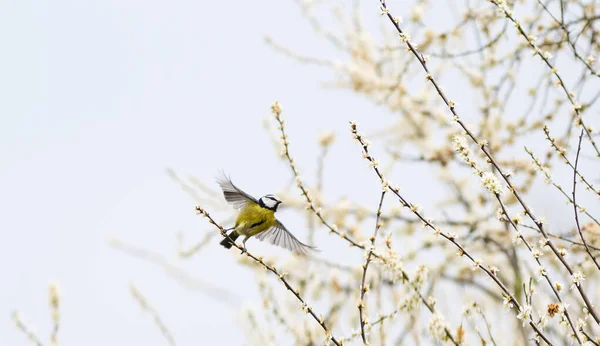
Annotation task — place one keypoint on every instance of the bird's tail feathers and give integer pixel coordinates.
(227, 243)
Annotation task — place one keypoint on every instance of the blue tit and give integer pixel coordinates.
(257, 218)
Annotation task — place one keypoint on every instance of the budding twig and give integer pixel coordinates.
(448, 236)
(305, 307)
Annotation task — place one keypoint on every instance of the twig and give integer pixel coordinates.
(305, 307)
(54, 297)
(487, 325)
(187, 253)
(561, 237)
(562, 25)
(563, 154)
(157, 320)
(589, 338)
(546, 58)
(587, 249)
(540, 167)
(16, 316)
(483, 145)
(480, 49)
(365, 288)
(542, 270)
(493, 186)
(269, 301)
(426, 222)
(276, 109)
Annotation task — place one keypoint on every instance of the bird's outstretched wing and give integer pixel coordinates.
(280, 236)
(233, 195)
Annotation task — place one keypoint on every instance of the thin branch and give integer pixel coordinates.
(16, 316)
(276, 109)
(483, 145)
(563, 153)
(363, 287)
(155, 316)
(542, 270)
(187, 253)
(562, 25)
(305, 307)
(540, 167)
(487, 325)
(546, 58)
(589, 338)
(426, 222)
(587, 249)
(55, 313)
(558, 236)
(480, 49)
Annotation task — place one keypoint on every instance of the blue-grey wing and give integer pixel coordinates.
(280, 236)
(234, 195)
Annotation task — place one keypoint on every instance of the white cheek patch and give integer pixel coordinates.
(269, 203)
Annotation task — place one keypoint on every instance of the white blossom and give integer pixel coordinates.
(524, 313)
(491, 183)
(576, 279)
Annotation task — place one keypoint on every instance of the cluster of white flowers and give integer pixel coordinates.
(392, 263)
(421, 275)
(577, 278)
(524, 313)
(437, 327)
(491, 183)
(409, 302)
(461, 146)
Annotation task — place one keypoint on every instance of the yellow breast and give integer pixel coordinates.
(254, 219)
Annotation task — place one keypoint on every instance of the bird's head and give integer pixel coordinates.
(270, 202)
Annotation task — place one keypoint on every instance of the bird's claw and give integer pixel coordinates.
(244, 250)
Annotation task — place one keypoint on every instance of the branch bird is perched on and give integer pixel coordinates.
(257, 218)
